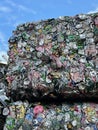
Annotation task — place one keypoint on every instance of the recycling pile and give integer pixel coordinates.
(54, 57)
(66, 116)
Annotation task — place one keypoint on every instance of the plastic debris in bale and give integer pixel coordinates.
(52, 116)
(57, 57)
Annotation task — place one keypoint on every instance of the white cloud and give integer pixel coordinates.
(5, 46)
(69, 1)
(11, 3)
(93, 11)
(20, 7)
(3, 41)
(5, 9)
(23, 8)
(2, 37)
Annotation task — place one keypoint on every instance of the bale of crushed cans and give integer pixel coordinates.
(54, 57)
(64, 116)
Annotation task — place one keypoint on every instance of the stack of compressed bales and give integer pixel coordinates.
(53, 59)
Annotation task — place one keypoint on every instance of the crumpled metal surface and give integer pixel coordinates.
(54, 57)
(65, 116)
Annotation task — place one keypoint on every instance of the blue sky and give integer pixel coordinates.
(15, 12)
